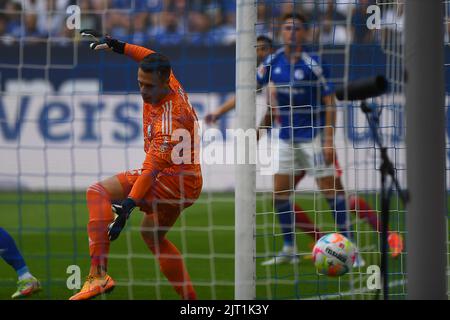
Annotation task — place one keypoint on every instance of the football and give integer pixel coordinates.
(334, 255)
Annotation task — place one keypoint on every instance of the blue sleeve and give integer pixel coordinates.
(263, 74)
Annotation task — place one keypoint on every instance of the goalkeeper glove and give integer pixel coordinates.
(103, 42)
(123, 212)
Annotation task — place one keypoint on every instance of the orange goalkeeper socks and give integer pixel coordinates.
(100, 216)
(172, 265)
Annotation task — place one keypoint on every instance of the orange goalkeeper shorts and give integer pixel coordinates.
(171, 192)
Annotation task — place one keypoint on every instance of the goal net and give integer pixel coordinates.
(70, 117)
(348, 46)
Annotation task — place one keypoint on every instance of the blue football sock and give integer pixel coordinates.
(285, 217)
(339, 207)
(10, 253)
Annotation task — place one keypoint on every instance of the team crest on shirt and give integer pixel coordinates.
(164, 145)
(299, 74)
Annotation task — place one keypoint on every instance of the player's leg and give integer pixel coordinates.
(99, 197)
(164, 203)
(27, 284)
(283, 185)
(310, 155)
(333, 191)
(364, 211)
(302, 221)
(284, 208)
(358, 204)
(154, 227)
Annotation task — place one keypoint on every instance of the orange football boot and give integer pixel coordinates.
(395, 241)
(93, 287)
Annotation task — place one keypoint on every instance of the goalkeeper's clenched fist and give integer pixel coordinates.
(103, 42)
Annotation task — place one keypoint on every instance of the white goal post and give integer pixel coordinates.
(245, 192)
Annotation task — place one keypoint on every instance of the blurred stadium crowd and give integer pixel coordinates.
(172, 22)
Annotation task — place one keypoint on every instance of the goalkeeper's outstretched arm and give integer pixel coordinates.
(101, 42)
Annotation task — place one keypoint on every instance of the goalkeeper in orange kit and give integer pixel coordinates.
(161, 188)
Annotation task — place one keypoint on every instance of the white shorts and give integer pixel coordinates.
(292, 158)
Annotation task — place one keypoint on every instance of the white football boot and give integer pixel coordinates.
(359, 261)
(286, 256)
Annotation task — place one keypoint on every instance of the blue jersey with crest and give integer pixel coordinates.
(300, 88)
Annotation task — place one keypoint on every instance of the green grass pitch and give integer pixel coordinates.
(50, 230)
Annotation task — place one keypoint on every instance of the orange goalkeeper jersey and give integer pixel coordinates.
(171, 137)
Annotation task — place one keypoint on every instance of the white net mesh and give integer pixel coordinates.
(70, 117)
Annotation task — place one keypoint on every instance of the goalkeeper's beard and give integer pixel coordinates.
(147, 99)
(155, 98)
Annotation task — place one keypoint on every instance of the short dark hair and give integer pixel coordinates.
(265, 39)
(295, 15)
(156, 62)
